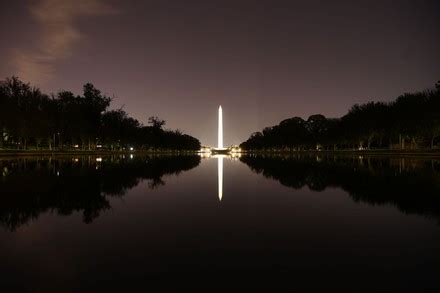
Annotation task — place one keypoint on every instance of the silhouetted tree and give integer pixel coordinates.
(156, 122)
(411, 121)
(29, 117)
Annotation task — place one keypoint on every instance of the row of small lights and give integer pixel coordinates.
(208, 150)
(99, 146)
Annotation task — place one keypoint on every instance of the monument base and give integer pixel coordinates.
(220, 151)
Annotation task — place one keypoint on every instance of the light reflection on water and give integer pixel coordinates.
(220, 176)
(232, 156)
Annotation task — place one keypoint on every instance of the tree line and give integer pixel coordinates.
(412, 121)
(32, 119)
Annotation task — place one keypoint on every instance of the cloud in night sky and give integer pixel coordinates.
(58, 34)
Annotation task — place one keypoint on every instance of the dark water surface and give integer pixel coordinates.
(70, 224)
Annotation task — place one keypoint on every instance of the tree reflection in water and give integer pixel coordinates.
(34, 185)
(410, 184)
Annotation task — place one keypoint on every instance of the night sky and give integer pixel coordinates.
(263, 61)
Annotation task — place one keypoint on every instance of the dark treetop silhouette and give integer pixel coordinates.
(29, 117)
(31, 186)
(412, 121)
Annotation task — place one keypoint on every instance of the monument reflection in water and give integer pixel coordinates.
(220, 176)
(220, 163)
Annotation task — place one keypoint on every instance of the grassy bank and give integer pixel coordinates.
(381, 152)
(6, 152)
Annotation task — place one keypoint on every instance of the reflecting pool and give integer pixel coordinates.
(355, 223)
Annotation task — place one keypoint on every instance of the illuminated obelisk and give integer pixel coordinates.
(220, 128)
(220, 149)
